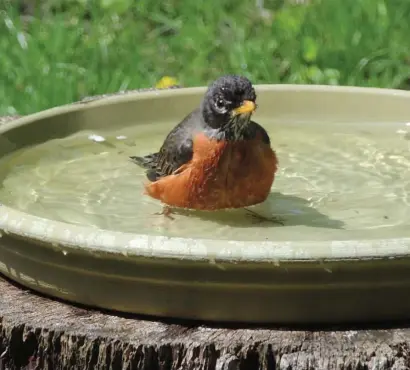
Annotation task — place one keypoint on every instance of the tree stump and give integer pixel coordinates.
(40, 333)
(37, 332)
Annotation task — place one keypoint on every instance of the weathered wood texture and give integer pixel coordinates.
(39, 333)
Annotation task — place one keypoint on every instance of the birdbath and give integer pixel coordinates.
(76, 226)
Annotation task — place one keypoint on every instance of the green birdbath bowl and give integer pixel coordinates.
(76, 225)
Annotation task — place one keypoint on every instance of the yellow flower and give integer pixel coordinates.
(166, 81)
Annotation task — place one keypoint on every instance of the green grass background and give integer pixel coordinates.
(69, 49)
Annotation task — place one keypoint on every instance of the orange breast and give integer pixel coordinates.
(220, 175)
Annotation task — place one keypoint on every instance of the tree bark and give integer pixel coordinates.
(40, 333)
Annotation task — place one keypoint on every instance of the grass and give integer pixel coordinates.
(65, 54)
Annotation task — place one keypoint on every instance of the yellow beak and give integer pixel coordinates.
(246, 107)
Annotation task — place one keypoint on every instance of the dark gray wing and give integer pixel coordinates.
(176, 150)
(255, 128)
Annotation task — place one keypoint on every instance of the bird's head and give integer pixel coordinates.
(229, 103)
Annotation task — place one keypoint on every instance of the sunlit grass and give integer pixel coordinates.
(59, 58)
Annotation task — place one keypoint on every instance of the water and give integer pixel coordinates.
(338, 181)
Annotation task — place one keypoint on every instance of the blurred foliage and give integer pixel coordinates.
(62, 50)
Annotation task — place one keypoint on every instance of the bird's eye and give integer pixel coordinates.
(220, 103)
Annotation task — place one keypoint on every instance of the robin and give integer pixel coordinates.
(216, 157)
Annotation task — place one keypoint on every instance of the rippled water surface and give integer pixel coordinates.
(335, 181)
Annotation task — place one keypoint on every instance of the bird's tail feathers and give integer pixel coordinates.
(148, 162)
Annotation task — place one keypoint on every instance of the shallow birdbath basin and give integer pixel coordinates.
(76, 225)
